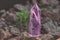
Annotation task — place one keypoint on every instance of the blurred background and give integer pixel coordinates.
(14, 19)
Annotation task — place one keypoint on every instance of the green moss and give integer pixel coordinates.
(23, 18)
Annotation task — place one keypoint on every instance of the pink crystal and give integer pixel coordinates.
(35, 22)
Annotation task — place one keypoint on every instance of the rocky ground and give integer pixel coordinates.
(50, 21)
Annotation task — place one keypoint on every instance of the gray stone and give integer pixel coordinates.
(14, 30)
(51, 2)
(52, 27)
(21, 7)
(2, 24)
